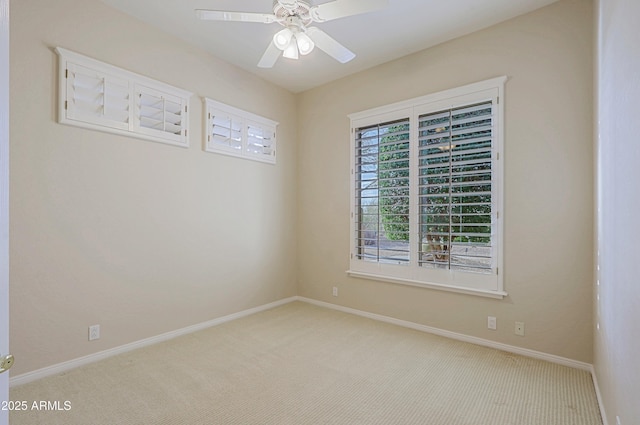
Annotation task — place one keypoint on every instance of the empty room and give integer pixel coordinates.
(319, 212)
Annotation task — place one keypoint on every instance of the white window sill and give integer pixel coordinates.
(449, 288)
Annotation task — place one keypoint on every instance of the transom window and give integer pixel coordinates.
(427, 191)
(232, 131)
(99, 96)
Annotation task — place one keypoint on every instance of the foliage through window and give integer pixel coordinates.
(455, 178)
(382, 187)
(427, 190)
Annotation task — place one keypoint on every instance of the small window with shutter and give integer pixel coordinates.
(224, 132)
(160, 115)
(232, 131)
(261, 141)
(96, 97)
(103, 97)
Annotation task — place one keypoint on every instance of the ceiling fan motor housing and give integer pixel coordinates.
(285, 9)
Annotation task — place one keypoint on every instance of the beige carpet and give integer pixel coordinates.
(302, 364)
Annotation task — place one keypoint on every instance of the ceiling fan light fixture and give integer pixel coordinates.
(291, 51)
(282, 39)
(305, 44)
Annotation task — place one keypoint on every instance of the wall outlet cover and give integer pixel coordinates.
(492, 323)
(94, 332)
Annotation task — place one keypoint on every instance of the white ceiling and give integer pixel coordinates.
(404, 27)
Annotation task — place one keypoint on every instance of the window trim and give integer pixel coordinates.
(135, 83)
(449, 280)
(247, 119)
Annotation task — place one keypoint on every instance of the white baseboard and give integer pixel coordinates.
(81, 361)
(460, 337)
(603, 413)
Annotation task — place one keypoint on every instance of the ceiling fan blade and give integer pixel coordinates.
(341, 8)
(330, 46)
(222, 15)
(270, 56)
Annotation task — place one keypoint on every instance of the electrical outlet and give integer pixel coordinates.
(335, 291)
(491, 323)
(520, 328)
(94, 332)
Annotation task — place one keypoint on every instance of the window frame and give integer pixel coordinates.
(135, 85)
(246, 120)
(488, 285)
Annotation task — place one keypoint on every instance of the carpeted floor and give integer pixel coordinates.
(301, 364)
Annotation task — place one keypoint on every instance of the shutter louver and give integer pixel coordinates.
(159, 114)
(260, 141)
(225, 130)
(97, 98)
(455, 189)
(382, 192)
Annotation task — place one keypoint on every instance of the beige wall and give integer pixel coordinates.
(547, 56)
(617, 312)
(139, 237)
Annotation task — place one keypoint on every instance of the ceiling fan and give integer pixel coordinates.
(295, 16)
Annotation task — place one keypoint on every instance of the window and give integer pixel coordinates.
(234, 132)
(159, 114)
(382, 192)
(427, 191)
(102, 97)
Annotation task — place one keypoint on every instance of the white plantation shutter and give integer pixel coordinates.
(225, 131)
(160, 114)
(382, 192)
(455, 188)
(97, 98)
(261, 141)
(235, 132)
(427, 191)
(103, 97)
